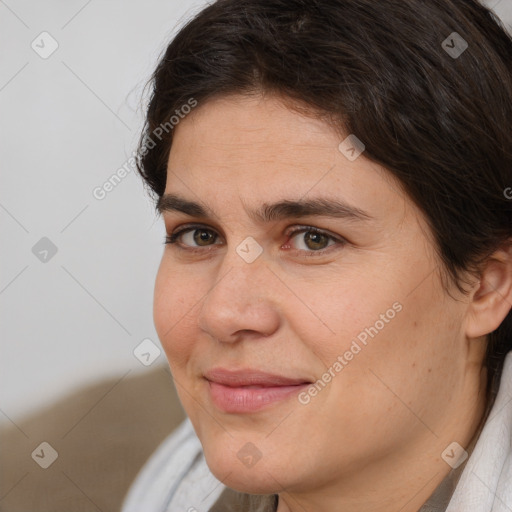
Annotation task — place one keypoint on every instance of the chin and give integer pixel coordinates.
(245, 466)
(254, 480)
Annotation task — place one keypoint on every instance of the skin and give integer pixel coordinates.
(372, 439)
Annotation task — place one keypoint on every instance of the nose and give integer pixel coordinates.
(241, 302)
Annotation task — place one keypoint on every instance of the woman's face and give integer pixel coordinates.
(252, 311)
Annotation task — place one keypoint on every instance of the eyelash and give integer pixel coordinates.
(173, 239)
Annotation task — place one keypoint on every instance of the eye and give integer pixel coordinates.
(199, 235)
(312, 240)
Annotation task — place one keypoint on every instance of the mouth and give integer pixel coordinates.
(247, 391)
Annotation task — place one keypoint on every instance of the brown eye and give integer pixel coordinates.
(192, 237)
(316, 241)
(311, 240)
(203, 236)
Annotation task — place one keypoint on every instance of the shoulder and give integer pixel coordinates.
(175, 477)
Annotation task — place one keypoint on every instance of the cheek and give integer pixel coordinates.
(402, 365)
(355, 312)
(407, 339)
(174, 305)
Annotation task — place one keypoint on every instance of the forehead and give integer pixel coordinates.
(257, 125)
(240, 150)
(233, 139)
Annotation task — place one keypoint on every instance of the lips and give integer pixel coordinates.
(249, 391)
(251, 378)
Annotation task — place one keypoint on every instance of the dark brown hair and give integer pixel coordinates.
(439, 122)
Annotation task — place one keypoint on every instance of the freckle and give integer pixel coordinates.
(415, 323)
(429, 370)
(413, 365)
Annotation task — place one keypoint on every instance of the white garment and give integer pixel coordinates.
(177, 479)
(486, 482)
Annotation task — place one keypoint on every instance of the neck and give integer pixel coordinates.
(404, 480)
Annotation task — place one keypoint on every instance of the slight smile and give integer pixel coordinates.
(246, 391)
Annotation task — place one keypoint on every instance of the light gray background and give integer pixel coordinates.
(68, 122)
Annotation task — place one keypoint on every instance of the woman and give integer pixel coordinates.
(334, 297)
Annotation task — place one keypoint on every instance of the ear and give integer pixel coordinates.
(491, 299)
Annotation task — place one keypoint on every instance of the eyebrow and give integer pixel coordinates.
(269, 212)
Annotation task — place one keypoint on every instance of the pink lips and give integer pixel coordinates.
(249, 390)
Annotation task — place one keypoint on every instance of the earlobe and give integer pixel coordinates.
(491, 300)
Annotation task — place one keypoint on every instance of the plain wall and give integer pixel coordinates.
(68, 123)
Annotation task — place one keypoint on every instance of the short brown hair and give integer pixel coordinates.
(439, 122)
